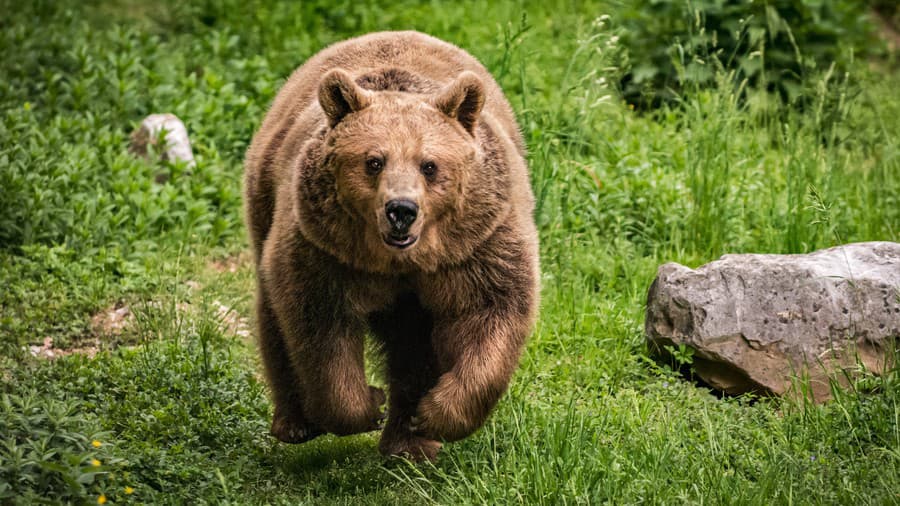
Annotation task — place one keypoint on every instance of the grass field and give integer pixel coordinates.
(172, 410)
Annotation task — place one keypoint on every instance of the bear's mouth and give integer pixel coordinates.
(400, 241)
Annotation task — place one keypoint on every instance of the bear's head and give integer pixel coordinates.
(401, 180)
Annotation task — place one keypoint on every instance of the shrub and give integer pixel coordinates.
(50, 449)
(677, 44)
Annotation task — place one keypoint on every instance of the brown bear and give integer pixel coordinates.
(387, 192)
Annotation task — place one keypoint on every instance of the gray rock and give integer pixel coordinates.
(174, 146)
(759, 322)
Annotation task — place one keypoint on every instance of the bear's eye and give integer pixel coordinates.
(428, 169)
(374, 166)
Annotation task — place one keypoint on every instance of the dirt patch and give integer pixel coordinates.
(112, 321)
(46, 350)
(232, 320)
(231, 263)
(887, 28)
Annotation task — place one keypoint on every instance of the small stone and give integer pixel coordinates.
(749, 318)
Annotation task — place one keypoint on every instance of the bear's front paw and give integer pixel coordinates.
(441, 414)
(288, 429)
(409, 446)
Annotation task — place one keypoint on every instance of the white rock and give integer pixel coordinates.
(757, 322)
(174, 146)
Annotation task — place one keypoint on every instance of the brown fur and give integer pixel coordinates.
(452, 310)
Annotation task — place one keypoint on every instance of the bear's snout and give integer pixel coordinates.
(401, 214)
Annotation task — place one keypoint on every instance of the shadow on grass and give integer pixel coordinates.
(329, 463)
(324, 452)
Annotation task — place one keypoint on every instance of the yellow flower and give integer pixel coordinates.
(27, 106)
(101, 499)
(96, 444)
(129, 490)
(95, 462)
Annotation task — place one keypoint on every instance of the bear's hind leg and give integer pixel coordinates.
(412, 370)
(288, 423)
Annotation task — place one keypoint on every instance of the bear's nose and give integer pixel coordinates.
(401, 214)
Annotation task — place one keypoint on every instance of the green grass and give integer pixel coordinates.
(176, 401)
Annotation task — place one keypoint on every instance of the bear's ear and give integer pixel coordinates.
(462, 99)
(339, 96)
